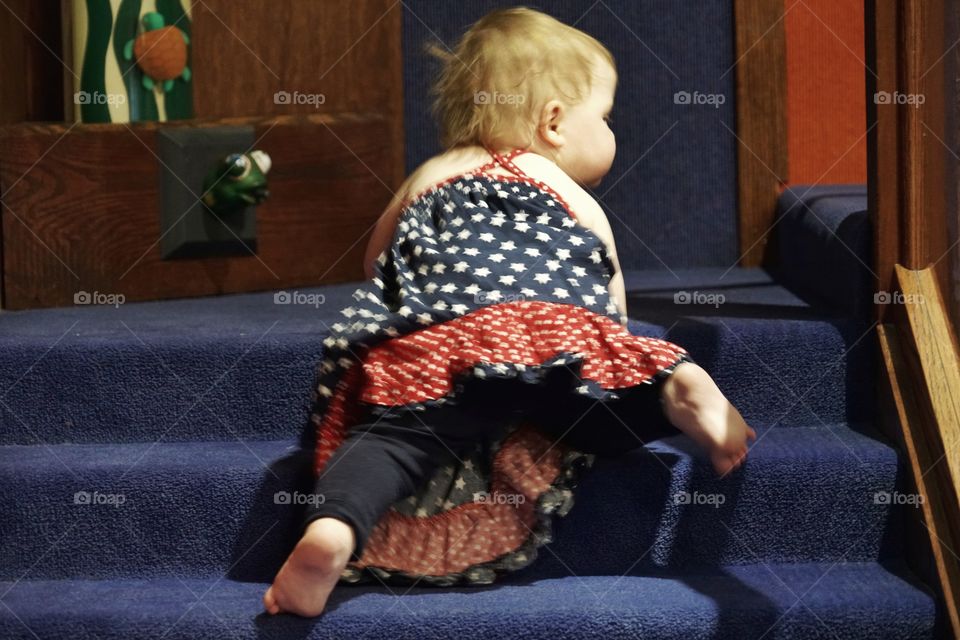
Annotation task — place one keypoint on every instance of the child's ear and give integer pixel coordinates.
(549, 126)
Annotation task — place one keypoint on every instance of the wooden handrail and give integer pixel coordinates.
(922, 366)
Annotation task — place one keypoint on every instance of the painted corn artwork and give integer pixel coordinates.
(132, 60)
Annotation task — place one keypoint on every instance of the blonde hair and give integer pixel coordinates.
(502, 71)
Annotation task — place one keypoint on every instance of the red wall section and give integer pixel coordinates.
(826, 106)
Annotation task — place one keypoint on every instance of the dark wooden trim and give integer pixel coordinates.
(907, 156)
(922, 363)
(31, 72)
(761, 123)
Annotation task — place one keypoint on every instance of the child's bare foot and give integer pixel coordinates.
(306, 579)
(695, 405)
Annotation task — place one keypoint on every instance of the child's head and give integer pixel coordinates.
(520, 78)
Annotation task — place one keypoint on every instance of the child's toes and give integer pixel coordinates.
(270, 602)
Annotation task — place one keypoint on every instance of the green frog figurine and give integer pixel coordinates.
(238, 181)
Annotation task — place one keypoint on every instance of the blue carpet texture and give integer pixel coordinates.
(143, 447)
(824, 245)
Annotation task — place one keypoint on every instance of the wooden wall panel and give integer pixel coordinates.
(31, 73)
(82, 205)
(908, 159)
(86, 217)
(347, 50)
(761, 123)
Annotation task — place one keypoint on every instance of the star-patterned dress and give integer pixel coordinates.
(487, 276)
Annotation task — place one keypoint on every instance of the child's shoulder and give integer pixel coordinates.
(442, 167)
(454, 162)
(540, 168)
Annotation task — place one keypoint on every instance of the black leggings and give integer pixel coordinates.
(385, 459)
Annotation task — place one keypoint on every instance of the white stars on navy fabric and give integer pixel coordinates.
(473, 242)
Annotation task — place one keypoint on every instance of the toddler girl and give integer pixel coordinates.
(486, 360)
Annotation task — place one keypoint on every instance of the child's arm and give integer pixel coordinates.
(382, 233)
(601, 226)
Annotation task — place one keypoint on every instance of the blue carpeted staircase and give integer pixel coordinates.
(184, 416)
(141, 447)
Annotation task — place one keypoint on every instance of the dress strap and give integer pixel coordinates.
(505, 160)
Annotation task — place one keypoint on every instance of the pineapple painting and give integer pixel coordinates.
(131, 60)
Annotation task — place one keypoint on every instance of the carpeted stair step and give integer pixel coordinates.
(823, 241)
(846, 600)
(242, 366)
(199, 509)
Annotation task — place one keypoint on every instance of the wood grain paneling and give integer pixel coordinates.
(908, 155)
(31, 73)
(761, 123)
(81, 213)
(85, 217)
(348, 51)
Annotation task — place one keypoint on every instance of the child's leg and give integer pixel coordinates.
(378, 463)
(686, 401)
(633, 420)
(693, 402)
(381, 460)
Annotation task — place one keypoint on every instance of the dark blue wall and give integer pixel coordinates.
(671, 194)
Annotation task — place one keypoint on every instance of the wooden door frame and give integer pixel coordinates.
(907, 151)
(761, 90)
